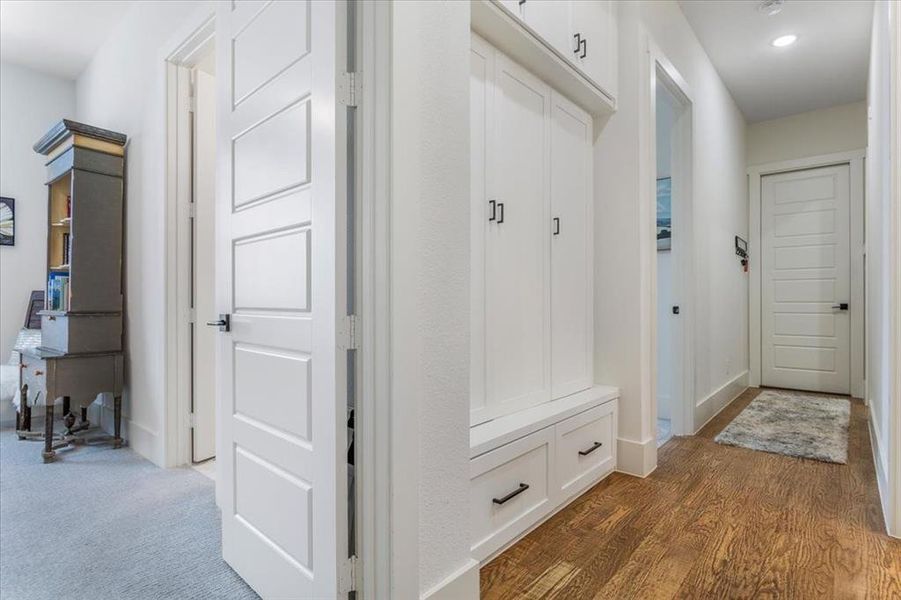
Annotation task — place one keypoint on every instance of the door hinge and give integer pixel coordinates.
(192, 315)
(347, 332)
(192, 420)
(349, 89)
(192, 210)
(348, 576)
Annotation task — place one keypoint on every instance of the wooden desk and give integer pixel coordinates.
(46, 375)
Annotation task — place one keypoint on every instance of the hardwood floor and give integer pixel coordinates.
(715, 521)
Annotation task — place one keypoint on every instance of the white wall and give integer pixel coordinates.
(123, 89)
(878, 209)
(825, 131)
(30, 103)
(430, 270)
(622, 336)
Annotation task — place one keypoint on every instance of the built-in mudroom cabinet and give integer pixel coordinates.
(542, 430)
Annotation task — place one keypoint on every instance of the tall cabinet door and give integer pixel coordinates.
(571, 248)
(517, 323)
(550, 20)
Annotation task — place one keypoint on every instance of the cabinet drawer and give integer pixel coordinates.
(585, 448)
(510, 489)
(34, 375)
(74, 333)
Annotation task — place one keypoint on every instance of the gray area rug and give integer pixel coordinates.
(793, 424)
(104, 524)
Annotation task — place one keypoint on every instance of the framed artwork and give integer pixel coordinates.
(664, 214)
(7, 221)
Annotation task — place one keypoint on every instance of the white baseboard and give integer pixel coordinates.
(881, 476)
(139, 438)
(636, 458)
(722, 397)
(462, 584)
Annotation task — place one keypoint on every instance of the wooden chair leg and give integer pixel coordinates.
(67, 406)
(117, 425)
(23, 418)
(48, 453)
(84, 414)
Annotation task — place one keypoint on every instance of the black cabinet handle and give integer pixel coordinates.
(584, 45)
(522, 487)
(590, 450)
(842, 306)
(493, 205)
(500, 207)
(578, 38)
(556, 225)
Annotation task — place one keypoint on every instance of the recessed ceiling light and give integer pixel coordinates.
(784, 40)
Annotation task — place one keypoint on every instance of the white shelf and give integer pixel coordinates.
(503, 430)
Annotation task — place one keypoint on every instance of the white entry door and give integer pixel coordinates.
(281, 264)
(805, 321)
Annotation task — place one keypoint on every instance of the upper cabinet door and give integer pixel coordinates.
(551, 20)
(595, 24)
(571, 248)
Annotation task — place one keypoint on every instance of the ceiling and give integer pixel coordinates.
(827, 66)
(56, 37)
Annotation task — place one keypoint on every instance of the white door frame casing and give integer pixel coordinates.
(184, 54)
(855, 159)
(663, 72)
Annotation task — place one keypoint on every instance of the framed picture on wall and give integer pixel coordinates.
(664, 214)
(7, 221)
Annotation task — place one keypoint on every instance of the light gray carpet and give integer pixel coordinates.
(104, 524)
(794, 424)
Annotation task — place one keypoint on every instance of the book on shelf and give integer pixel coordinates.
(66, 248)
(58, 291)
(68, 206)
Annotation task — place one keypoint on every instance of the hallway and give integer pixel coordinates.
(715, 521)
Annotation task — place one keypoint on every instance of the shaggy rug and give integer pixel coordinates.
(793, 424)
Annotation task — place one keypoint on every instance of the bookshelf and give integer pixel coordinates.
(81, 353)
(83, 299)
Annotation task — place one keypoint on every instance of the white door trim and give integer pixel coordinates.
(188, 47)
(374, 489)
(683, 269)
(855, 160)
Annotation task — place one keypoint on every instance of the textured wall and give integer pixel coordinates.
(430, 271)
(30, 102)
(720, 212)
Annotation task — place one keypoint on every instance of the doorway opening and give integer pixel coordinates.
(191, 125)
(673, 246)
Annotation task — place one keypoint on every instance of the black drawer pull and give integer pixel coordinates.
(493, 205)
(522, 487)
(590, 450)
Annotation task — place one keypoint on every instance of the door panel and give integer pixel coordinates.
(203, 435)
(571, 248)
(805, 272)
(517, 249)
(281, 273)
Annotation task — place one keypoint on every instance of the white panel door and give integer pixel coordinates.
(203, 434)
(517, 281)
(281, 252)
(571, 248)
(805, 322)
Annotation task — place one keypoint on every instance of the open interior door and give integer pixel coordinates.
(281, 286)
